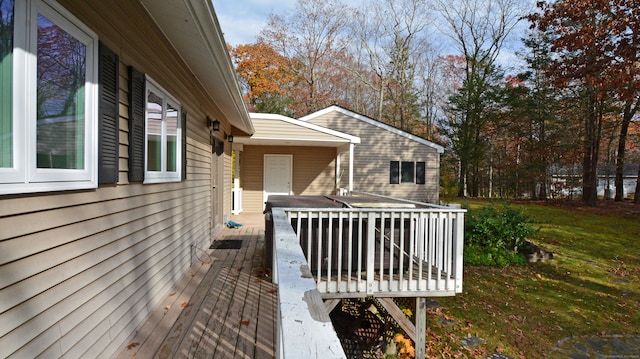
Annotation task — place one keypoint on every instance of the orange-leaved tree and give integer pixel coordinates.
(597, 44)
(266, 76)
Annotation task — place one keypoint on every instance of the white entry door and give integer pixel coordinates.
(277, 175)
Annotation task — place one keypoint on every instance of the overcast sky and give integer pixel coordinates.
(242, 20)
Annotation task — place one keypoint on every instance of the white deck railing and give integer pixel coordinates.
(304, 327)
(355, 252)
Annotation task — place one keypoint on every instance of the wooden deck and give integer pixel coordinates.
(225, 308)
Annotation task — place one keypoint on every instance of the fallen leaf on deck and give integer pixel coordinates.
(244, 322)
(271, 291)
(132, 345)
(185, 304)
(172, 293)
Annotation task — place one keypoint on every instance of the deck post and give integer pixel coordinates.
(371, 251)
(458, 250)
(421, 326)
(351, 147)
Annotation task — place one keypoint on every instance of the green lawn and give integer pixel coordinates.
(591, 287)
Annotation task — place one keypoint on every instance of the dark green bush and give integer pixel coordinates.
(493, 236)
(507, 228)
(480, 256)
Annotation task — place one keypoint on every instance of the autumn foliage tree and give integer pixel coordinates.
(309, 38)
(266, 76)
(597, 43)
(574, 100)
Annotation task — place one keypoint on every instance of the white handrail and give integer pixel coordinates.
(304, 327)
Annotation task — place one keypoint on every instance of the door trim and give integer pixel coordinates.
(264, 175)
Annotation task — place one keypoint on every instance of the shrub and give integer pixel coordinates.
(480, 256)
(493, 236)
(506, 229)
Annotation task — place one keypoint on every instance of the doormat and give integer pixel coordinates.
(227, 244)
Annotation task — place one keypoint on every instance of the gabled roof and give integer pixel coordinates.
(193, 29)
(274, 130)
(373, 122)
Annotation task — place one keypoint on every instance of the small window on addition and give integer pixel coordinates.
(408, 174)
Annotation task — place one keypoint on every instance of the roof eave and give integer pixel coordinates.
(374, 122)
(193, 30)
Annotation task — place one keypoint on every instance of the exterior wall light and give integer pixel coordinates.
(214, 125)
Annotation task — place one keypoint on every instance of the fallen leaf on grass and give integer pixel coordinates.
(244, 322)
(132, 345)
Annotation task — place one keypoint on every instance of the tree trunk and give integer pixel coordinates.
(381, 99)
(622, 144)
(463, 175)
(543, 189)
(545, 163)
(636, 197)
(627, 115)
(593, 127)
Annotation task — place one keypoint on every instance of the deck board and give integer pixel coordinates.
(224, 309)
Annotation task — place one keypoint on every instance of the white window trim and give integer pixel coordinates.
(415, 173)
(163, 176)
(24, 176)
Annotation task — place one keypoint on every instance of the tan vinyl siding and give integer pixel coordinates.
(77, 268)
(313, 172)
(273, 129)
(372, 156)
(80, 270)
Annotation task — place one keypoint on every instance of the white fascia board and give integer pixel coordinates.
(311, 126)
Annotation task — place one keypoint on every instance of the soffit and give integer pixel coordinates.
(193, 29)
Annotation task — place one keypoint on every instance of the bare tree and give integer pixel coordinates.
(392, 37)
(479, 29)
(433, 87)
(309, 37)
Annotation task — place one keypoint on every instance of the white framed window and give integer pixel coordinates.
(49, 99)
(163, 145)
(407, 172)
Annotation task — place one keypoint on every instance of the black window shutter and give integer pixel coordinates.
(108, 127)
(420, 172)
(394, 172)
(137, 95)
(184, 143)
